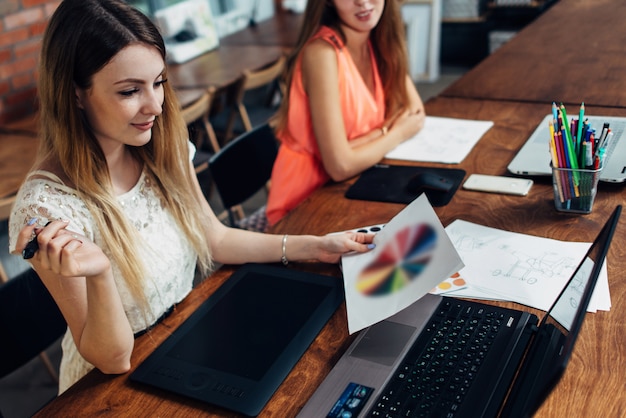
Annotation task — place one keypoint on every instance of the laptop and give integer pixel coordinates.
(533, 159)
(446, 357)
(240, 344)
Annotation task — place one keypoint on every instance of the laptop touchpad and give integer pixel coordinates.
(383, 342)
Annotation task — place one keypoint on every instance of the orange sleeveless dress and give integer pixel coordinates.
(298, 170)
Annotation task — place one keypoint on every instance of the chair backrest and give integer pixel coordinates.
(198, 111)
(258, 78)
(30, 321)
(252, 79)
(244, 165)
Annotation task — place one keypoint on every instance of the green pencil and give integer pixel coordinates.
(569, 141)
(579, 134)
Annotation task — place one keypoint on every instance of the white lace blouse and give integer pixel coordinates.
(168, 256)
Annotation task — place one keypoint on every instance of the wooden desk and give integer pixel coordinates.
(571, 53)
(282, 29)
(593, 384)
(221, 67)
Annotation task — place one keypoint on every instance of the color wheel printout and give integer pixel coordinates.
(413, 255)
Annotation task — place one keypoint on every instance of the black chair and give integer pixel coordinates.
(30, 321)
(242, 168)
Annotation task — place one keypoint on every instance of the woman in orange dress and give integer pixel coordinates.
(350, 99)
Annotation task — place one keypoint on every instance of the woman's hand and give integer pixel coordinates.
(63, 252)
(409, 124)
(333, 246)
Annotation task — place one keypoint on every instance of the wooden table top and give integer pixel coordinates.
(221, 67)
(572, 53)
(594, 381)
(282, 30)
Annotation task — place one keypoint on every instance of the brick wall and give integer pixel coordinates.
(22, 23)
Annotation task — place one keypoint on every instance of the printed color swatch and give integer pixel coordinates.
(400, 262)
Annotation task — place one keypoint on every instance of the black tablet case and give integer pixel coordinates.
(388, 183)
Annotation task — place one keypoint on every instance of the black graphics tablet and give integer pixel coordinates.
(242, 342)
(395, 184)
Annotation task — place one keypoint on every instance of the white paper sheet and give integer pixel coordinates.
(442, 140)
(530, 270)
(413, 255)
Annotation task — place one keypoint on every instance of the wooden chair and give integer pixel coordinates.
(250, 80)
(198, 112)
(196, 116)
(242, 168)
(17, 296)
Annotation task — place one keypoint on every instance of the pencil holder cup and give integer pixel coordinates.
(575, 189)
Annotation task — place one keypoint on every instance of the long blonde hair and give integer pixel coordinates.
(81, 38)
(388, 42)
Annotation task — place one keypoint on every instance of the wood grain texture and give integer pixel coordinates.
(571, 53)
(281, 30)
(222, 66)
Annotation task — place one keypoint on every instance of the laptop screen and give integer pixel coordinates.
(568, 311)
(554, 343)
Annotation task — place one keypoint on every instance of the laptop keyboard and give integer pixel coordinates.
(442, 364)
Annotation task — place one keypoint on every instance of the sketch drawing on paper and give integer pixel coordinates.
(530, 269)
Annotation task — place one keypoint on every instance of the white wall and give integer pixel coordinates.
(423, 31)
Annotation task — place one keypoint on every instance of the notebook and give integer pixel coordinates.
(240, 344)
(533, 159)
(446, 357)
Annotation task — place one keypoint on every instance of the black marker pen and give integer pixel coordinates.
(32, 247)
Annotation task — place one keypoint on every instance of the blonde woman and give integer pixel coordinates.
(349, 99)
(113, 202)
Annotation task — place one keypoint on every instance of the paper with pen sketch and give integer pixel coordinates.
(441, 140)
(530, 270)
(413, 255)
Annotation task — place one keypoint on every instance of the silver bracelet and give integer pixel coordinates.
(283, 259)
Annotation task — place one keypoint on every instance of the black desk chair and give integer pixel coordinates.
(30, 322)
(242, 168)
